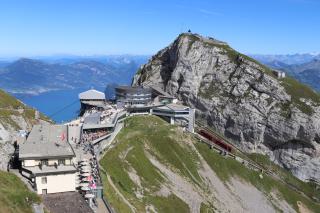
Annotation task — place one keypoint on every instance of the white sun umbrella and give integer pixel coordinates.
(89, 196)
(84, 163)
(86, 174)
(86, 170)
(85, 188)
(84, 184)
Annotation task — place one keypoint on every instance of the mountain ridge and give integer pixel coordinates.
(242, 99)
(32, 76)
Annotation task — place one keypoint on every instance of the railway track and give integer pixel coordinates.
(250, 163)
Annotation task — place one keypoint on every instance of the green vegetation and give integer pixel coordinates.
(226, 168)
(285, 109)
(232, 54)
(295, 89)
(139, 71)
(11, 106)
(205, 208)
(169, 204)
(14, 195)
(7, 101)
(299, 91)
(114, 199)
(209, 92)
(143, 136)
(308, 188)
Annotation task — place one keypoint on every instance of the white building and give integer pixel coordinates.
(47, 159)
(176, 113)
(279, 74)
(91, 99)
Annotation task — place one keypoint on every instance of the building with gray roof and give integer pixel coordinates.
(176, 113)
(91, 99)
(92, 94)
(49, 141)
(47, 159)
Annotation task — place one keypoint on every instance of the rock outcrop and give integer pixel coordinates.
(242, 99)
(14, 116)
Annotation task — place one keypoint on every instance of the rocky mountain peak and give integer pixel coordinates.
(242, 99)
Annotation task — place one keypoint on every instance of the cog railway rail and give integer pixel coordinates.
(226, 148)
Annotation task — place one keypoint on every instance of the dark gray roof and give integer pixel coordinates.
(173, 107)
(46, 141)
(161, 92)
(94, 118)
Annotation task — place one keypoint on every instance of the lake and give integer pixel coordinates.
(60, 106)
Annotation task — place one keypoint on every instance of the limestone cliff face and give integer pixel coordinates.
(242, 99)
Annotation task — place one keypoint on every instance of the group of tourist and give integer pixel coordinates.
(92, 110)
(92, 135)
(89, 177)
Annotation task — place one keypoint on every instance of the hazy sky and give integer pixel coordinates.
(86, 27)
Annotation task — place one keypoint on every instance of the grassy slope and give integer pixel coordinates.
(10, 105)
(155, 135)
(13, 194)
(299, 91)
(308, 188)
(226, 168)
(164, 142)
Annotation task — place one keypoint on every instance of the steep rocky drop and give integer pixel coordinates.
(242, 99)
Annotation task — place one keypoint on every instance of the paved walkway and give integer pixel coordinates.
(101, 207)
(71, 202)
(107, 142)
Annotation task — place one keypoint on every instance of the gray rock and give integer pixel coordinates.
(240, 98)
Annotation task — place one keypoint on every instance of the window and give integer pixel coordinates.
(44, 191)
(44, 180)
(61, 162)
(44, 162)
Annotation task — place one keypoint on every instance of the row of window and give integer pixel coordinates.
(60, 162)
(131, 94)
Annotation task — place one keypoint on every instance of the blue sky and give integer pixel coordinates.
(87, 27)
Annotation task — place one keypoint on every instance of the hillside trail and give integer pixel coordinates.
(132, 208)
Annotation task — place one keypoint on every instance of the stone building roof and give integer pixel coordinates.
(46, 141)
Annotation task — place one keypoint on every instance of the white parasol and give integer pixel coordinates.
(84, 184)
(89, 196)
(85, 188)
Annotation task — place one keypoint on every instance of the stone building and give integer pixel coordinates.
(47, 159)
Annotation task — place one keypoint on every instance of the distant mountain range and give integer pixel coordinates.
(289, 59)
(303, 67)
(34, 76)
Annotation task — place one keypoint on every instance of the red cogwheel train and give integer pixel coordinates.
(212, 138)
